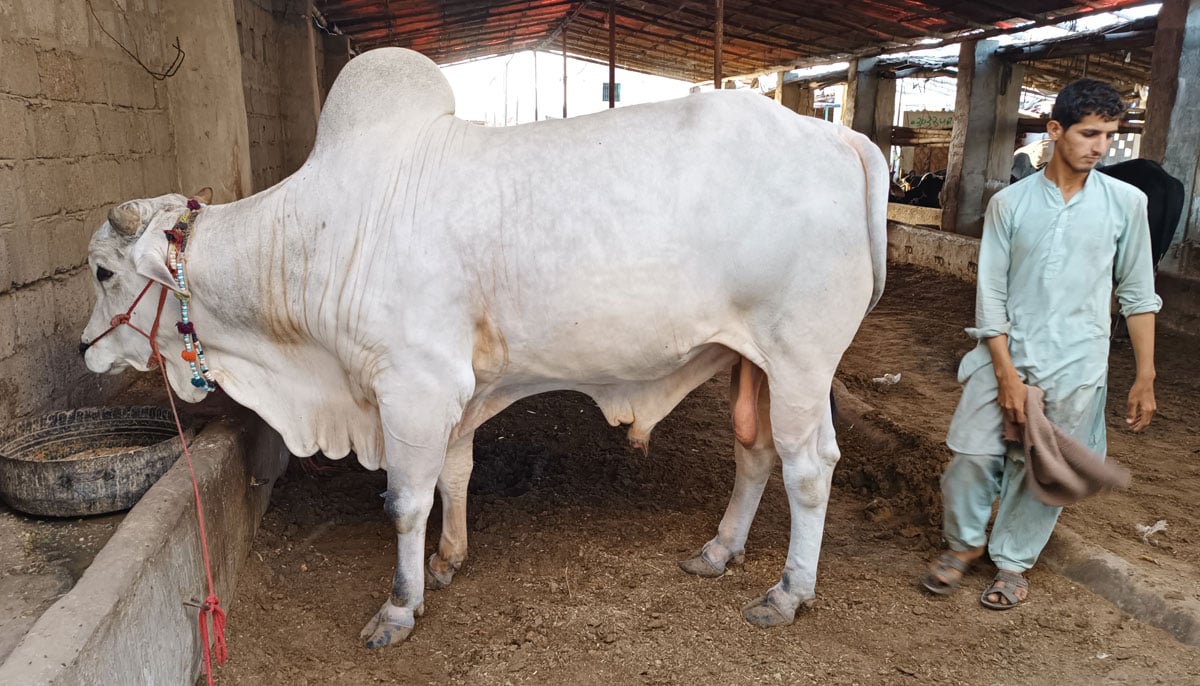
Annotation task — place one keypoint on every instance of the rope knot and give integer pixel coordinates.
(119, 319)
(212, 606)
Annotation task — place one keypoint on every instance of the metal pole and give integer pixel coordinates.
(718, 39)
(564, 37)
(612, 55)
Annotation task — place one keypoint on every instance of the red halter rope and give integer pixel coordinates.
(155, 356)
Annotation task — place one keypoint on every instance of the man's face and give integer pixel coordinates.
(1085, 143)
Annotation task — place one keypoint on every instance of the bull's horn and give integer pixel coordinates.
(125, 219)
(204, 195)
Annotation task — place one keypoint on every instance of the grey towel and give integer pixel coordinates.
(1059, 470)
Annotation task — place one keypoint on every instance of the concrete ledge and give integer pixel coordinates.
(948, 253)
(125, 621)
(1132, 590)
(914, 215)
(1135, 591)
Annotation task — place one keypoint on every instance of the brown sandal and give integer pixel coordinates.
(1012, 582)
(945, 578)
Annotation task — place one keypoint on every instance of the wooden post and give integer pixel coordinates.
(718, 41)
(612, 55)
(779, 87)
(564, 32)
(1172, 134)
(984, 136)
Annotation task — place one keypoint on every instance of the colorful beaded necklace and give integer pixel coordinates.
(193, 351)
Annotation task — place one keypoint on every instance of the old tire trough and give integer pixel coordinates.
(86, 461)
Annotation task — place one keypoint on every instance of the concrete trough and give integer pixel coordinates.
(127, 620)
(941, 251)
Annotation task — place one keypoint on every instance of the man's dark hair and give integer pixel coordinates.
(1086, 96)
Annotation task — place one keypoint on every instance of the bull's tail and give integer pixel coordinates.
(876, 170)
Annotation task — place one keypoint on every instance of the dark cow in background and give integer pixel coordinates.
(920, 190)
(1164, 199)
(1164, 204)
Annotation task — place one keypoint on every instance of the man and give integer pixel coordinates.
(1052, 243)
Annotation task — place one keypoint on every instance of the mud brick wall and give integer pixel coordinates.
(281, 92)
(82, 127)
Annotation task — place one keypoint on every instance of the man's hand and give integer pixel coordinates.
(1011, 397)
(1141, 406)
(1011, 389)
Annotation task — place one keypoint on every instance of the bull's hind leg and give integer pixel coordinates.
(804, 436)
(754, 465)
(415, 456)
(452, 489)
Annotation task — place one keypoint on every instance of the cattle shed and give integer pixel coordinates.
(102, 101)
(675, 39)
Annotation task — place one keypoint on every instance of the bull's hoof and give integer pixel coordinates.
(438, 573)
(700, 565)
(765, 613)
(390, 625)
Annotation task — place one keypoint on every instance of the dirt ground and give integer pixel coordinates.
(573, 579)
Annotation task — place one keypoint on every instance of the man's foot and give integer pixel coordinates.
(946, 573)
(1008, 590)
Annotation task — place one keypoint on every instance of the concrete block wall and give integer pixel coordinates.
(82, 127)
(279, 55)
(260, 83)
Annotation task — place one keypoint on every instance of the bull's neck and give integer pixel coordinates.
(237, 258)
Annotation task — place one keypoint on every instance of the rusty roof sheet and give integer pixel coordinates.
(674, 38)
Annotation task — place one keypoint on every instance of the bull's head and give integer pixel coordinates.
(126, 253)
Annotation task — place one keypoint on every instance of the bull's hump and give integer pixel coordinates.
(386, 87)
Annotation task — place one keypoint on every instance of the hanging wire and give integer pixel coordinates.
(159, 75)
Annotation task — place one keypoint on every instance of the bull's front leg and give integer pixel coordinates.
(415, 456)
(452, 489)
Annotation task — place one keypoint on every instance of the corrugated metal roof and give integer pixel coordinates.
(674, 38)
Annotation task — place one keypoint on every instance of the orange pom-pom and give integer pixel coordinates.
(188, 355)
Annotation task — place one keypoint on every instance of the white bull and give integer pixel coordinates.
(418, 274)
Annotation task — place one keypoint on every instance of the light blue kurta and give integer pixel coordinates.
(1045, 278)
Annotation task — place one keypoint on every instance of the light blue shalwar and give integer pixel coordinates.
(1045, 278)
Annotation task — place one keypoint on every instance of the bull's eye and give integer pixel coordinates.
(103, 274)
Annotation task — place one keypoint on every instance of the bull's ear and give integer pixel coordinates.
(149, 255)
(204, 195)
